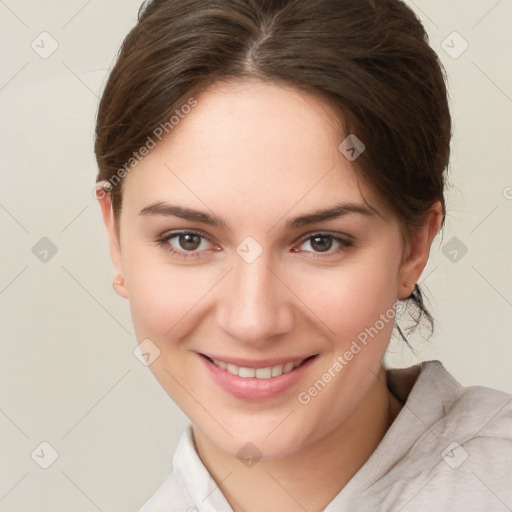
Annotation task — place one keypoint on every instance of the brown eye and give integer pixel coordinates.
(186, 244)
(321, 243)
(325, 244)
(189, 241)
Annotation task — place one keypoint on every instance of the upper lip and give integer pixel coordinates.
(261, 363)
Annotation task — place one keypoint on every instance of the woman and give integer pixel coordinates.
(271, 178)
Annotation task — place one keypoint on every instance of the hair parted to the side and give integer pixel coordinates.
(369, 60)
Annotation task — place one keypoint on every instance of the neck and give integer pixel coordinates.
(324, 466)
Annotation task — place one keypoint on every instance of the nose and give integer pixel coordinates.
(255, 306)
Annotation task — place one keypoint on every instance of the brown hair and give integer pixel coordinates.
(368, 59)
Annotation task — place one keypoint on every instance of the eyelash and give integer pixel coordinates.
(163, 241)
(345, 243)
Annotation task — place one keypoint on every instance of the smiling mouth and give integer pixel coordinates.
(268, 372)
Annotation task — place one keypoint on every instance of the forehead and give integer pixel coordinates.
(253, 144)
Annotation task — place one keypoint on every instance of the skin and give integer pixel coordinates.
(257, 155)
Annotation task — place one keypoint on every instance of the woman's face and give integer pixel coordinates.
(245, 238)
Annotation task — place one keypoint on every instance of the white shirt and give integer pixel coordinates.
(449, 449)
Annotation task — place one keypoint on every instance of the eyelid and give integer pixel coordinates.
(348, 239)
(164, 239)
(175, 232)
(345, 242)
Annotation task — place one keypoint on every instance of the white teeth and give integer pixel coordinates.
(246, 372)
(258, 373)
(231, 368)
(277, 371)
(287, 367)
(263, 373)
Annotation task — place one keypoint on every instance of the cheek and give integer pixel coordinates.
(162, 296)
(357, 306)
(352, 298)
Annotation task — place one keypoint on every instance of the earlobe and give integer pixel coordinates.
(418, 251)
(110, 222)
(119, 286)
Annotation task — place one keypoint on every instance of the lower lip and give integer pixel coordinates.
(253, 389)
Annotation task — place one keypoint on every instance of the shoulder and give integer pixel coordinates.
(461, 422)
(450, 448)
(463, 457)
(434, 402)
(468, 413)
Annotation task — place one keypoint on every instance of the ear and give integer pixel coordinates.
(417, 251)
(107, 212)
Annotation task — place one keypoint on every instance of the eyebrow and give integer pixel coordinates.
(330, 213)
(168, 210)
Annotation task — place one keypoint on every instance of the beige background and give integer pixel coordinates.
(68, 374)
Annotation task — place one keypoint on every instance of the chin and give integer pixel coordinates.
(270, 439)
